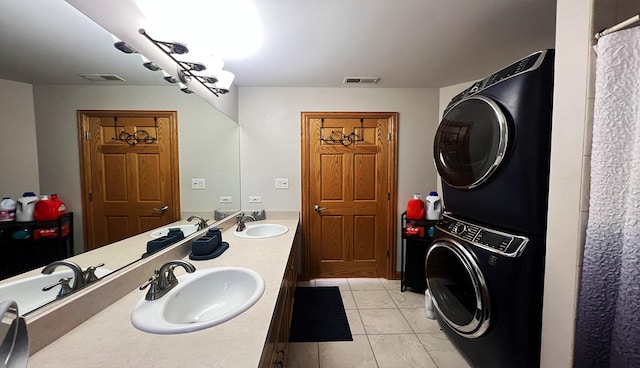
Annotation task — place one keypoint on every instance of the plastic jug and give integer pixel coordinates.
(415, 208)
(25, 206)
(48, 208)
(7, 209)
(433, 206)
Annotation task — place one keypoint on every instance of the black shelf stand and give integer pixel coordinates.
(28, 245)
(414, 251)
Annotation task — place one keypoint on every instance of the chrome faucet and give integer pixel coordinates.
(242, 218)
(164, 280)
(202, 223)
(64, 282)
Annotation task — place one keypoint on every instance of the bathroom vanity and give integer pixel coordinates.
(256, 338)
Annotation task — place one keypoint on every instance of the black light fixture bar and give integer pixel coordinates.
(185, 69)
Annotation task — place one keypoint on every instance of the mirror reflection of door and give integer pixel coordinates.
(129, 171)
(349, 201)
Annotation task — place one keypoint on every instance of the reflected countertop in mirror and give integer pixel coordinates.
(113, 256)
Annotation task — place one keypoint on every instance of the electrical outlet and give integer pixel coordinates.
(225, 199)
(197, 183)
(255, 199)
(282, 183)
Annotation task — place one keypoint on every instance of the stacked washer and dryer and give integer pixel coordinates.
(485, 267)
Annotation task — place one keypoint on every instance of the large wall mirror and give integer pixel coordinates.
(72, 44)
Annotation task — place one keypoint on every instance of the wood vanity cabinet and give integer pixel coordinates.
(274, 354)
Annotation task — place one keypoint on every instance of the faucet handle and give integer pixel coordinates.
(89, 275)
(171, 278)
(152, 283)
(64, 287)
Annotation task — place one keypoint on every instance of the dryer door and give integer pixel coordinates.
(458, 288)
(471, 141)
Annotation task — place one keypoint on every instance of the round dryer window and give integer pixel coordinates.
(458, 288)
(470, 143)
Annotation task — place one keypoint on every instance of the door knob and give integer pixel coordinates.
(318, 208)
(162, 209)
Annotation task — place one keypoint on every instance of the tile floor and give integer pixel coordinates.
(389, 329)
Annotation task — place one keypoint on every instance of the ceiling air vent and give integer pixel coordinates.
(361, 80)
(102, 77)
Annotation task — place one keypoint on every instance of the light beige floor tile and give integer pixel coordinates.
(365, 284)
(347, 354)
(303, 355)
(407, 299)
(400, 351)
(442, 351)
(347, 299)
(418, 322)
(355, 323)
(372, 299)
(384, 321)
(390, 284)
(343, 284)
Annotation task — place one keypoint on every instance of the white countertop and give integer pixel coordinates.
(108, 339)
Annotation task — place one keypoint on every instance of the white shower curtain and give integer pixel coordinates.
(608, 325)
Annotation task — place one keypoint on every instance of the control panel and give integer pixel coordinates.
(524, 65)
(493, 240)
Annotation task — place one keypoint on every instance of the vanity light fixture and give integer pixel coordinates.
(124, 47)
(218, 83)
(169, 78)
(195, 66)
(207, 79)
(149, 64)
(184, 88)
(225, 78)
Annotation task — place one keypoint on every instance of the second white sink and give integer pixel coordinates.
(201, 299)
(259, 231)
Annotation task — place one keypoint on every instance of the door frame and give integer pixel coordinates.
(392, 184)
(85, 159)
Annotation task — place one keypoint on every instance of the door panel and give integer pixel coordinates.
(350, 175)
(130, 171)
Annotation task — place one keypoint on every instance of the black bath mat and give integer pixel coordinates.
(318, 315)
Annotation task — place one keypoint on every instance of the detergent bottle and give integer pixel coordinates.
(433, 206)
(7, 209)
(25, 206)
(415, 208)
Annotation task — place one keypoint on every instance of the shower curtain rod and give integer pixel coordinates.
(619, 26)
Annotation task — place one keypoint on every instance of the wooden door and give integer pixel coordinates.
(350, 171)
(130, 176)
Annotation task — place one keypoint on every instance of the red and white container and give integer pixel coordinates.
(7, 209)
(48, 208)
(415, 208)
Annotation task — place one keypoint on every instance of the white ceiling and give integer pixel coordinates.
(307, 43)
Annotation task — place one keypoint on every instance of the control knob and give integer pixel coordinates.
(459, 228)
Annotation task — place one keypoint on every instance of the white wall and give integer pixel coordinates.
(565, 227)
(270, 137)
(18, 151)
(208, 142)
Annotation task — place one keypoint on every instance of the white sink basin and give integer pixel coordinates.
(187, 229)
(259, 231)
(201, 299)
(28, 292)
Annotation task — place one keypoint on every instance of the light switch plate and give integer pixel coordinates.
(282, 183)
(255, 199)
(197, 183)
